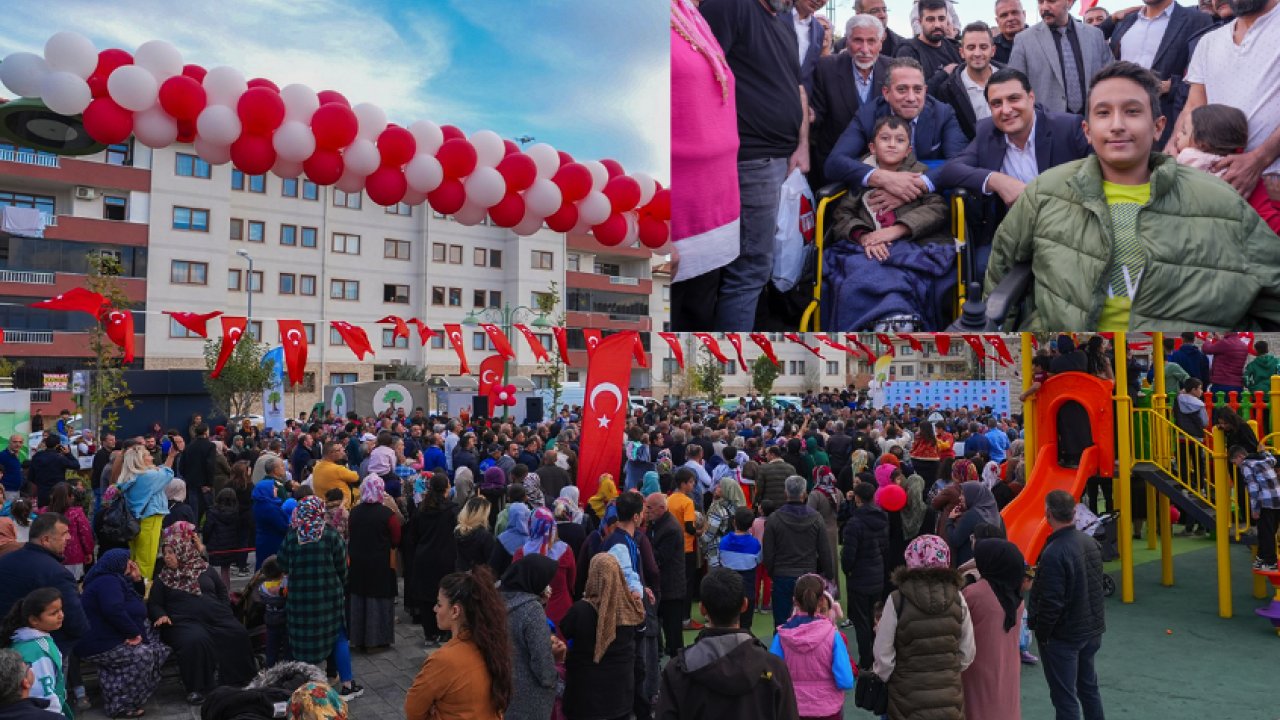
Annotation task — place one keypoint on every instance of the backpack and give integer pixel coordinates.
(119, 526)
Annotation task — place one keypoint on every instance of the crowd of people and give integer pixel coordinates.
(1088, 149)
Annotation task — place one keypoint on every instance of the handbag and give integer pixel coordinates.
(871, 693)
(119, 526)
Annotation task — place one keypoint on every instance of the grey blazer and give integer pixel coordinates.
(1036, 54)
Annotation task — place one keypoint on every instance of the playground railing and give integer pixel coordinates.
(1169, 447)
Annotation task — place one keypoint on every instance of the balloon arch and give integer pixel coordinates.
(75, 100)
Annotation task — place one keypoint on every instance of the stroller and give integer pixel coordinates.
(1104, 531)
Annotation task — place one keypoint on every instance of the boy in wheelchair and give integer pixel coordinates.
(888, 270)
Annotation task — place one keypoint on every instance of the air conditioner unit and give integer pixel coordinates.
(84, 192)
(397, 362)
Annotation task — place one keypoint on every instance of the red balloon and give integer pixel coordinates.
(396, 145)
(564, 219)
(612, 231)
(107, 122)
(574, 180)
(253, 153)
(660, 206)
(186, 131)
(98, 86)
(891, 498)
(457, 158)
(324, 167)
(110, 59)
(386, 186)
(623, 193)
(334, 126)
(182, 97)
(265, 83)
(509, 211)
(613, 167)
(195, 72)
(332, 96)
(261, 110)
(519, 170)
(653, 232)
(509, 147)
(451, 133)
(565, 158)
(449, 197)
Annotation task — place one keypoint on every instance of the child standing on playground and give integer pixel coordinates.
(1259, 475)
(815, 653)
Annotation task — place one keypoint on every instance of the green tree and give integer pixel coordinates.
(763, 375)
(9, 367)
(409, 373)
(554, 365)
(107, 390)
(391, 397)
(243, 378)
(275, 400)
(710, 379)
(337, 403)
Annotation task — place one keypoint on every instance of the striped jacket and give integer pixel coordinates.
(1259, 475)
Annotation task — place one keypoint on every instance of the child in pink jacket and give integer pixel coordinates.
(815, 653)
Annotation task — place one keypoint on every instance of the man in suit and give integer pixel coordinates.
(1011, 19)
(1016, 143)
(1158, 37)
(1060, 56)
(933, 47)
(842, 84)
(876, 9)
(196, 467)
(810, 36)
(962, 88)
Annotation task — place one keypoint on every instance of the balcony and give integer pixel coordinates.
(67, 172)
(589, 244)
(615, 283)
(26, 278)
(135, 288)
(608, 321)
(27, 337)
(97, 230)
(29, 157)
(20, 344)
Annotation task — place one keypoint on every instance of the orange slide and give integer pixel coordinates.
(1024, 520)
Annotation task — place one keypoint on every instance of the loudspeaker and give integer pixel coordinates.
(480, 406)
(533, 409)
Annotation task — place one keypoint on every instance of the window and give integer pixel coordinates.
(455, 297)
(255, 281)
(537, 299)
(669, 367)
(437, 342)
(344, 244)
(233, 279)
(543, 260)
(404, 209)
(254, 183)
(395, 249)
(438, 251)
(906, 351)
(797, 367)
(437, 295)
(191, 166)
(495, 258)
(545, 339)
(487, 258)
(391, 340)
(308, 237)
(194, 219)
(289, 187)
(176, 330)
(120, 154)
(237, 229)
(833, 367)
(257, 231)
(307, 285)
(43, 203)
(478, 297)
(335, 338)
(288, 234)
(571, 261)
(310, 191)
(115, 207)
(258, 183)
(729, 368)
(237, 180)
(255, 330)
(347, 200)
(343, 378)
(344, 289)
(185, 272)
(479, 340)
(907, 371)
(495, 299)
(309, 329)
(455, 254)
(611, 269)
(288, 283)
(395, 294)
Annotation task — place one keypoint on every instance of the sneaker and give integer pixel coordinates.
(692, 625)
(350, 692)
(846, 623)
(1029, 659)
(1267, 567)
(1257, 563)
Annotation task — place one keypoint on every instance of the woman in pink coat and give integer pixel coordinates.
(65, 501)
(543, 540)
(991, 683)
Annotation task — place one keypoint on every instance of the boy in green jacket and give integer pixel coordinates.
(1127, 239)
(1257, 374)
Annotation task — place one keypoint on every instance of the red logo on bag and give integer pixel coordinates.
(808, 219)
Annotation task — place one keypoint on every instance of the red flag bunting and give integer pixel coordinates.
(402, 328)
(912, 341)
(796, 339)
(424, 333)
(232, 330)
(637, 348)
(712, 346)
(539, 352)
(119, 327)
(762, 341)
(677, 352)
(943, 342)
(888, 343)
(499, 340)
(605, 412)
(562, 343)
(736, 341)
(825, 340)
(871, 355)
(454, 331)
(74, 300)
(355, 337)
(197, 323)
(1002, 351)
(976, 343)
(491, 373)
(293, 336)
(592, 338)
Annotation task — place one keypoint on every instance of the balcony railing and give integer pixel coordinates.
(622, 280)
(29, 157)
(28, 337)
(25, 277)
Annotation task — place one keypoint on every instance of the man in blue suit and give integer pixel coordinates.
(935, 135)
(810, 36)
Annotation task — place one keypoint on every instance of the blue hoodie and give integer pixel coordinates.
(270, 520)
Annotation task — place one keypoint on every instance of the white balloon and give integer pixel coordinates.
(286, 168)
(294, 142)
(546, 158)
(428, 135)
(423, 172)
(350, 182)
(372, 121)
(71, 52)
(300, 102)
(485, 187)
(582, 228)
(413, 197)
(160, 58)
(594, 208)
(224, 85)
(633, 228)
(599, 175)
(648, 187)
(489, 148)
(543, 198)
(212, 152)
(361, 157)
(218, 124)
(23, 73)
(133, 87)
(65, 92)
(154, 127)
(471, 214)
(529, 224)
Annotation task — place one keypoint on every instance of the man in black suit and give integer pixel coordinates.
(842, 84)
(1161, 42)
(196, 468)
(963, 87)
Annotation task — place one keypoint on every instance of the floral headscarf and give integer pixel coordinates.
(567, 504)
(664, 461)
(607, 493)
(542, 536)
(316, 701)
(533, 490)
(991, 475)
(928, 551)
(373, 489)
(963, 471)
(858, 462)
(825, 482)
(308, 519)
(180, 539)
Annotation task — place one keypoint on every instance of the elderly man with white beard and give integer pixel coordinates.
(843, 83)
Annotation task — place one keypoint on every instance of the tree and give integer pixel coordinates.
(763, 375)
(243, 378)
(812, 376)
(391, 397)
(9, 367)
(554, 365)
(410, 373)
(338, 400)
(709, 376)
(274, 397)
(107, 390)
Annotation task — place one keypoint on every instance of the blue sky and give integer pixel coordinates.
(588, 77)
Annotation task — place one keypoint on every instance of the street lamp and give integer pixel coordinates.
(248, 286)
(506, 317)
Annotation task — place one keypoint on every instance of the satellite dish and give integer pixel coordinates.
(29, 124)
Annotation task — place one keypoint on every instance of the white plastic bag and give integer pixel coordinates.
(793, 232)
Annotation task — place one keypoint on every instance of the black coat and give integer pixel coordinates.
(1172, 57)
(197, 463)
(222, 531)
(179, 512)
(32, 567)
(597, 690)
(474, 548)
(370, 573)
(950, 89)
(28, 708)
(48, 468)
(552, 479)
(726, 674)
(839, 451)
(667, 538)
(1066, 601)
(835, 102)
(866, 541)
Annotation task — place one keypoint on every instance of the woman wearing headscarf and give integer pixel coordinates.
(190, 605)
(525, 587)
(464, 486)
(925, 637)
(978, 505)
(143, 485)
(816, 456)
(317, 701)
(572, 533)
(600, 630)
(533, 490)
(827, 501)
(543, 541)
(917, 516)
(179, 510)
(512, 539)
(947, 497)
(605, 494)
(990, 475)
(650, 484)
(375, 533)
(636, 453)
(853, 473)
(493, 486)
(992, 687)
(719, 518)
(120, 642)
(434, 551)
(925, 453)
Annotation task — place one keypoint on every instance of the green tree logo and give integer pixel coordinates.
(274, 399)
(391, 397)
(337, 402)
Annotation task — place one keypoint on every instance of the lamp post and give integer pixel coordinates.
(248, 287)
(506, 317)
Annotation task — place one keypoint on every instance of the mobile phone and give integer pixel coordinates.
(165, 444)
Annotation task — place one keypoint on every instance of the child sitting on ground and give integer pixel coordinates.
(815, 653)
(740, 552)
(1217, 131)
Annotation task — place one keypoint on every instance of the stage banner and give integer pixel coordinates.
(950, 394)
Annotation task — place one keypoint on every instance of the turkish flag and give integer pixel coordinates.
(592, 338)
(119, 327)
(887, 342)
(871, 355)
(796, 339)
(822, 338)
(195, 322)
(232, 330)
(912, 341)
(712, 346)
(539, 352)
(402, 328)
(976, 344)
(491, 373)
(454, 331)
(997, 342)
(943, 342)
(762, 341)
(498, 339)
(637, 348)
(424, 333)
(294, 338)
(736, 341)
(74, 300)
(677, 352)
(355, 337)
(605, 412)
(562, 343)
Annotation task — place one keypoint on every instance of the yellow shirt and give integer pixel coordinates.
(1127, 256)
(680, 506)
(327, 476)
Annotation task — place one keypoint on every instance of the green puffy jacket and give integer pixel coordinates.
(1257, 376)
(1211, 263)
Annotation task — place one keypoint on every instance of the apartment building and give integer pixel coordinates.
(610, 289)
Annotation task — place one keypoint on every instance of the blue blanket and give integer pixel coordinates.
(915, 280)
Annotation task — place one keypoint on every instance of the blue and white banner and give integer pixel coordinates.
(273, 413)
(950, 394)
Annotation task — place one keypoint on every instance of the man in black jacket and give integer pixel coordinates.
(38, 564)
(16, 681)
(667, 538)
(49, 467)
(196, 468)
(964, 87)
(1065, 611)
(101, 460)
(839, 449)
(866, 541)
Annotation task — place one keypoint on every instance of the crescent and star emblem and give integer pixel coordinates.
(235, 333)
(485, 377)
(610, 389)
(294, 336)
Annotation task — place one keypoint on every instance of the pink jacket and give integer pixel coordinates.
(818, 659)
(1229, 357)
(80, 544)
